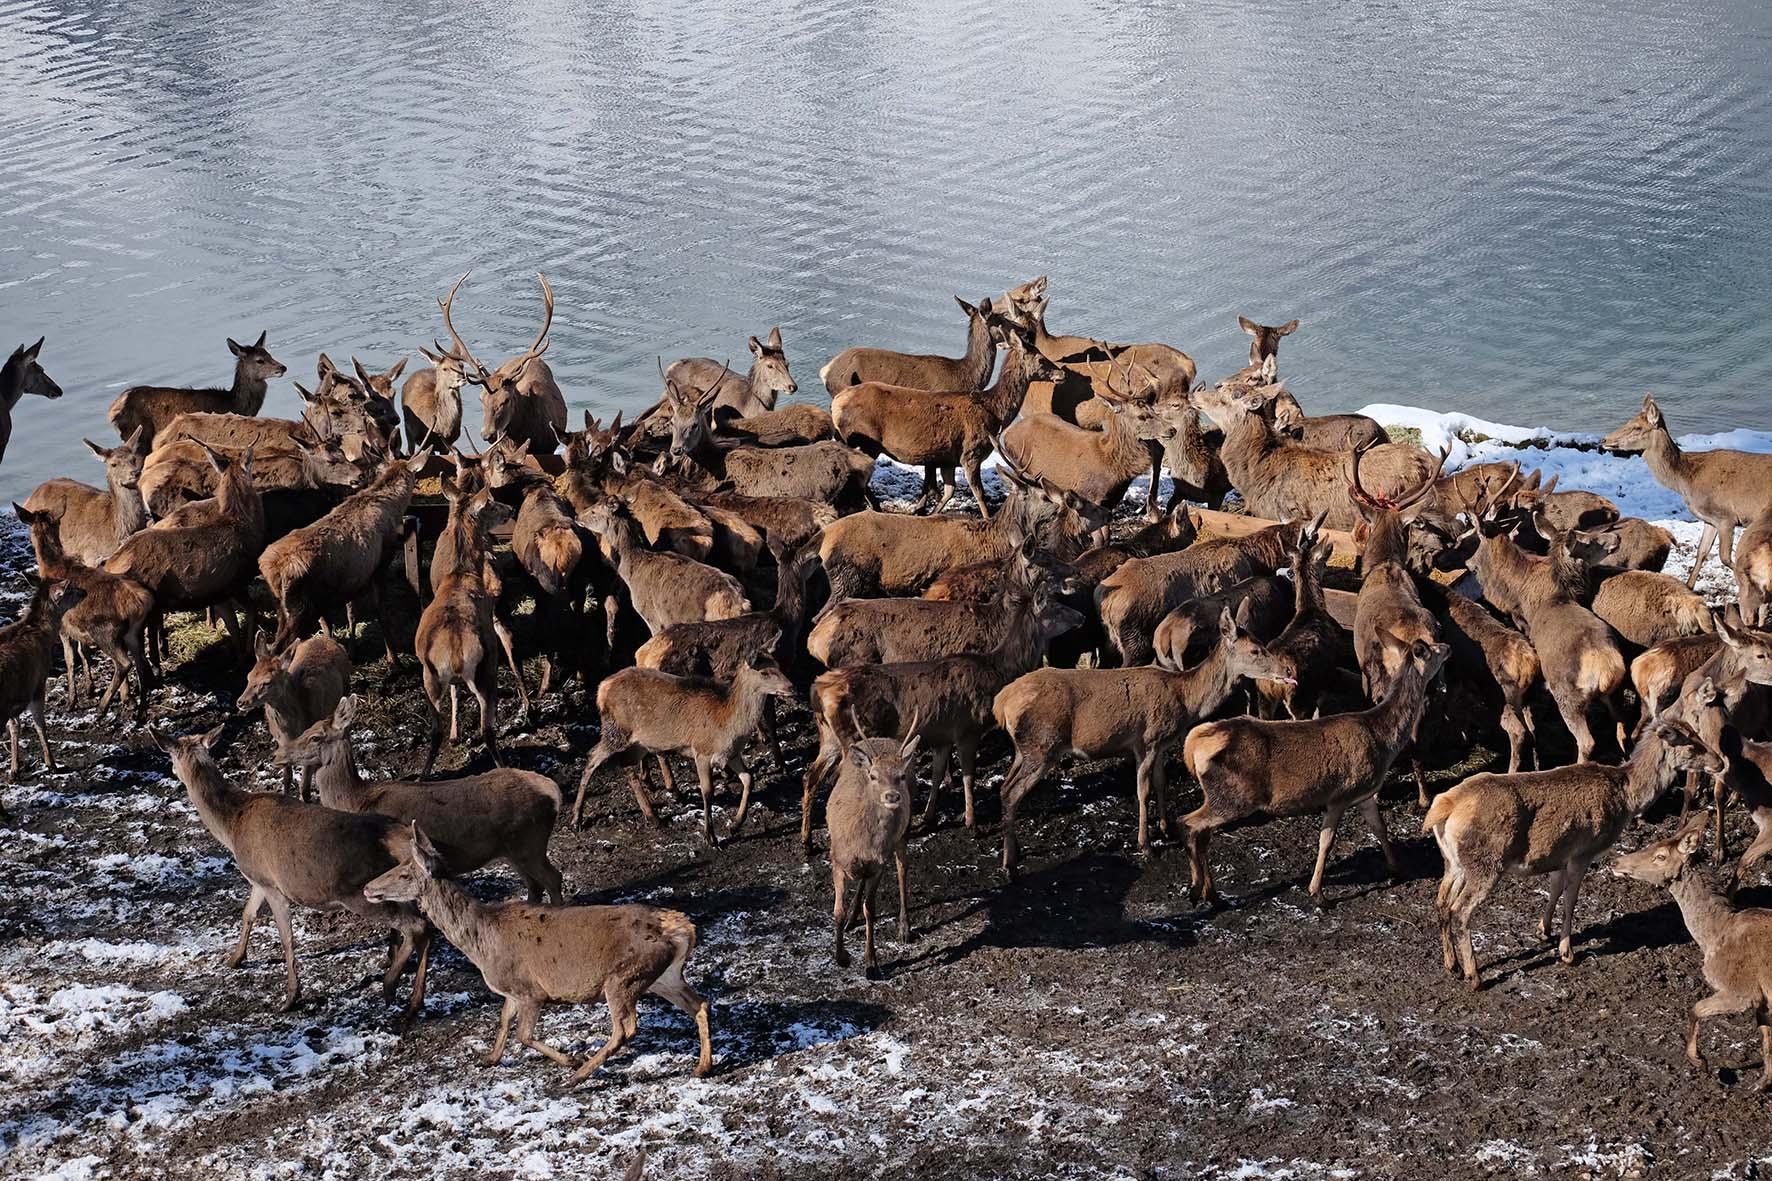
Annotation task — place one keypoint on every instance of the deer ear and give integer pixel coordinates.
(756, 347)
(1651, 411)
(101, 452)
(1288, 328)
(346, 712)
(261, 647)
(1227, 623)
(775, 339)
(213, 735)
(31, 353)
(134, 441)
(1247, 325)
(161, 740)
(234, 346)
(421, 844)
(398, 369)
(260, 342)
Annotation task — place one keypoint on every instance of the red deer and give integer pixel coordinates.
(293, 853)
(296, 687)
(1326, 432)
(430, 400)
(148, 408)
(891, 631)
(1491, 662)
(870, 821)
(1647, 608)
(664, 588)
(921, 371)
(27, 657)
(791, 426)
(1246, 766)
(1309, 647)
(729, 394)
(92, 522)
(21, 375)
(533, 955)
(520, 398)
(1540, 822)
(1722, 488)
(1267, 338)
(548, 545)
(1753, 571)
(826, 471)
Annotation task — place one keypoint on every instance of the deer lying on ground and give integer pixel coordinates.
(1723, 488)
(826, 471)
(644, 711)
(1139, 712)
(664, 588)
(236, 432)
(1493, 662)
(430, 400)
(786, 522)
(92, 522)
(111, 616)
(921, 371)
(731, 395)
(1246, 766)
(1282, 480)
(521, 399)
(533, 955)
(27, 657)
(1539, 822)
(1172, 371)
(458, 637)
(941, 430)
(870, 821)
(206, 562)
(791, 426)
(294, 853)
(1733, 942)
(891, 631)
(950, 699)
(1753, 571)
(319, 569)
(1647, 608)
(21, 375)
(1133, 600)
(148, 408)
(505, 813)
(1327, 432)
(296, 687)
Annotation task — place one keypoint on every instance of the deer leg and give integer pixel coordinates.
(1760, 846)
(1375, 820)
(255, 901)
(1558, 880)
(1142, 777)
(671, 986)
(1421, 796)
(969, 775)
(822, 765)
(669, 785)
(1325, 840)
(1574, 710)
(848, 895)
(42, 737)
(285, 931)
(1763, 1019)
(454, 713)
(938, 771)
(486, 697)
(1020, 780)
(381, 618)
(975, 484)
(1708, 535)
(704, 774)
(870, 964)
(1198, 826)
(1610, 700)
(949, 487)
(12, 733)
(637, 781)
(1574, 873)
(434, 696)
(1160, 780)
(1152, 511)
(1515, 729)
(504, 639)
(1718, 1004)
(744, 795)
(622, 1018)
(527, 1012)
(504, 1027)
(68, 659)
(416, 1001)
(928, 492)
(1443, 913)
(1470, 896)
(1719, 794)
(904, 895)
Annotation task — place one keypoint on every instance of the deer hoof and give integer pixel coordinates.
(873, 972)
(840, 958)
(290, 1000)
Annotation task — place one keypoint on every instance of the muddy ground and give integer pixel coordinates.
(1083, 1021)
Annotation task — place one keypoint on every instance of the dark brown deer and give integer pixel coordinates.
(1098, 713)
(1267, 338)
(870, 821)
(534, 955)
(148, 408)
(1247, 766)
(92, 522)
(891, 631)
(297, 854)
(826, 471)
(1723, 488)
(1733, 942)
(921, 371)
(790, 426)
(430, 400)
(521, 399)
(111, 617)
(1309, 647)
(27, 657)
(1327, 432)
(296, 687)
(547, 543)
(1491, 662)
(21, 375)
(1540, 822)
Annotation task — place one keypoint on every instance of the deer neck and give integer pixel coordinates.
(129, 513)
(1247, 442)
(1003, 400)
(1387, 544)
(1707, 913)
(248, 392)
(1123, 446)
(1393, 718)
(12, 384)
(1204, 687)
(218, 802)
(463, 920)
(337, 778)
(1667, 463)
(1307, 593)
(52, 563)
(981, 353)
(744, 704)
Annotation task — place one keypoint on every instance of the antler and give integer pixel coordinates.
(541, 338)
(461, 352)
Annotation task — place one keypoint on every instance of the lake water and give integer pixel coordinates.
(1529, 212)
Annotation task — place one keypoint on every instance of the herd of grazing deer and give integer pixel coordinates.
(715, 554)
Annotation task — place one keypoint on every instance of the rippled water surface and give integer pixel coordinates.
(1530, 212)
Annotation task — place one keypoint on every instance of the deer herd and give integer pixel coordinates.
(696, 571)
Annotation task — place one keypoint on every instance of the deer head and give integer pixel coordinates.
(501, 388)
(1639, 432)
(23, 375)
(1267, 337)
(769, 372)
(255, 362)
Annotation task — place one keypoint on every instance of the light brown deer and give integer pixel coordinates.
(1540, 822)
(111, 617)
(504, 813)
(27, 657)
(826, 471)
(297, 854)
(790, 426)
(148, 408)
(920, 370)
(520, 398)
(1647, 608)
(786, 522)
(1246, 766)
(1723, 488)
(732, 395)
(92, 522)
(1753, 571)
(1172, 371)
(1732, 942)
(1141, 713)
(664, 588)
(534, 955)
(644, 711)
(1267, 337)
(430, 400)
(22, 374)
(1713, 708)
(179, 472)
(296, 687)
(891, 631)
(320, 569)
(1490, 661)
(870, 822)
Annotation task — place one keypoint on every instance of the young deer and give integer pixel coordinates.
(21, 375)
(294, 853)
(1326, 432)
(921, 371)
(1331, 764)
(148, 408)
(27, 657)
(1309, 646)
(1733, 942)
(870, 820)
(1539, 822)
(430, 400)
(1722, 488)
(521, 399)
(1712, 708)
(112, 616)
(1097, 713)
(92, 522)
(1267, 338)
(534, 955)
(643, 711)
(505, 813)
(296, 687)
(1492, 661)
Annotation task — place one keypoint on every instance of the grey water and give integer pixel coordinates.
(1529, 212)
